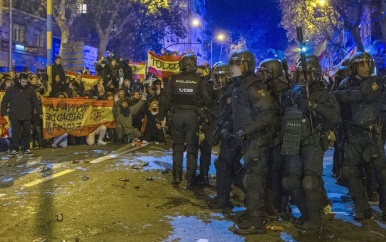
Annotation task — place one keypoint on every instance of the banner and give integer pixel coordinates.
(335, 68)
(162, 66)
(2, 93)
(139, 70)
(87, 79)
(320, 51)
(75, 116)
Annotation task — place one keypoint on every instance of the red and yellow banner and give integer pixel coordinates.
(139, 70)
(87, 79)
(162, 66)
(75, 116)
(2, 93)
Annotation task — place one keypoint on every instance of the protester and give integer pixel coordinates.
(18, 103)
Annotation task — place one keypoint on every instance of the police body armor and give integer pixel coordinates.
(292, 128)
(244, 112)
(185, 91)
(296, 124)
(241, 107)
(364, 112)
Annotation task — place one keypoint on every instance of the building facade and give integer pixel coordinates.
(196, 41)
(28, 33)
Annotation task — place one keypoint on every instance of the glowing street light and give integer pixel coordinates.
(220, 37)
(322, 2)
(196, 22)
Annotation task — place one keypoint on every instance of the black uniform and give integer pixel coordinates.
(363, 142)
(184, 94)
(209, 119)
(276, 198)
(228, 167)
(305, 164)
(252, 115)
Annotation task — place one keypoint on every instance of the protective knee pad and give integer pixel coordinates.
(253, 181)
(290, 182)
(311, 183)
(178, 147)
(349, 172)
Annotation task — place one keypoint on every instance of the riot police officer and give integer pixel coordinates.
(252, 115)
(228, 167)
(340, 75)
(184, 95)
(310, 113)
(277, 84)
(359, 93)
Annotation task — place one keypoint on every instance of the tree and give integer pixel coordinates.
(134, 21)
(326, 21)
(64, 14)
(146, 31)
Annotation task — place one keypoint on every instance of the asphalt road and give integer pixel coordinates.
(123, 193)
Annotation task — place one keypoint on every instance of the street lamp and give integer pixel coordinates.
(219, 37)
(196, 22)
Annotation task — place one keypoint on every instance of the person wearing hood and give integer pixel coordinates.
(105, 71)
(18, 104)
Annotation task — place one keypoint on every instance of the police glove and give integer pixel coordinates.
(225, 134)
(310, 104)
(240, 134)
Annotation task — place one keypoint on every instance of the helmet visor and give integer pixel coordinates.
(365, 68)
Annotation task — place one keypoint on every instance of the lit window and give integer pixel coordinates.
(82, 8)
(38, 38)
(18, 32)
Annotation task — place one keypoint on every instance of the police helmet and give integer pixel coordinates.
(188, 63)
(362, 64)
(314, 70)
(345, 62)
(270, 69)
(245, 58)
(220, 75)
(342, 73)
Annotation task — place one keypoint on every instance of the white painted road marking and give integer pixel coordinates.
(123, 150)
(38, 181)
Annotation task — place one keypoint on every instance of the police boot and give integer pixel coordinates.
(203, 177)
(191, 180)
(313, 223)
(249, 223)
(269, 206)
(177, 176)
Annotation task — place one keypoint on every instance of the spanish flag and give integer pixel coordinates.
(87, 79)
(139, 70)
(163, 66)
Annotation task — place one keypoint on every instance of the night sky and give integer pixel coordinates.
(256, 20)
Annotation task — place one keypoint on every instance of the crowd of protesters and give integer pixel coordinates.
(138, 106)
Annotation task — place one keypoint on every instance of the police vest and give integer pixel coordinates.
(186, 90)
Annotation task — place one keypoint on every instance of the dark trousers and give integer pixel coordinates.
(21, 130)
(254, 180)
(185, 130)
(362, 147)
(206, 148)
(304, 181)
(229, 170)
(276, 167)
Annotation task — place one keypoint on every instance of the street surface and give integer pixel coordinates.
(123, 193)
